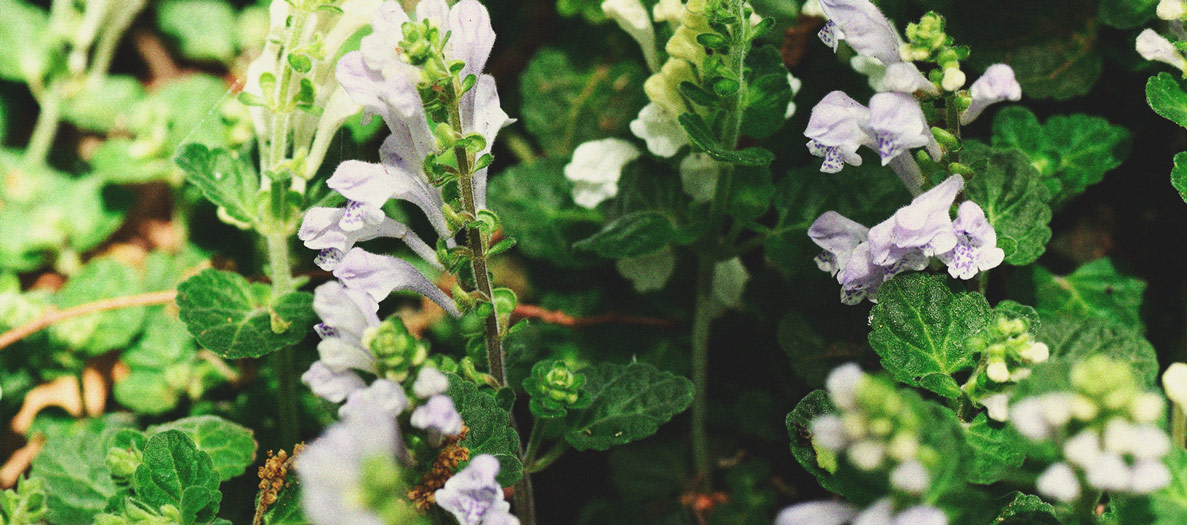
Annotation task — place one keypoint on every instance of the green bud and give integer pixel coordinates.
(946, 139)
(554, 388)
(123, 462)
(397, 350)
(446, 137)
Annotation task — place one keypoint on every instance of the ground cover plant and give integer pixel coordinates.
(582, 261)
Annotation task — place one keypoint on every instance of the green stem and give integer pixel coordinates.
(46, 127)
(548, 458)
(280, 271)
(281, 110)
(1178, 425)
(535, 437)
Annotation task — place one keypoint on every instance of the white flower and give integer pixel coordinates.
(1059, 482)
(329, 384)
(383, 397)
(812, 8)
(1083, 449)
(1170, 9)
(829, 433)
(795, 84)
(649, 272)
(1057, 408)
(698, 176)
(867, 454)
(1147, 407)
(1035, 353)
(904, 77)
(659, 129)
(998, 372)
(997, 84)
(331, 468)
(1174, 383)
(668, 10)
(816, 513)
(880, 513)
(842, 384)
(910, 477)
(729, 282)
(953, 80)
(430, 382)
(1148, 476)
(1152, 442)
(596, 168)
(1120, 436)
(1153, 46)
(1108, 472)
(1027, 418)
(632, 17)
(921, 515)
(998, 406)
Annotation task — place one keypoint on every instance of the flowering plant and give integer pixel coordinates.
(469, 262)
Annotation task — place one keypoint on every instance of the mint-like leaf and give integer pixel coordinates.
(175, 472)
(701, 137)
(203, 29)
(232, 447)
(632, 235)
(490, 429)
(1073, 338)
(1166, 97)
(233, 317)
(628, 403)
(1012, 193)
(102, 331)
(995, 454)
(1179, 175)
(224, 178)
(919, 328)
(1095, 290)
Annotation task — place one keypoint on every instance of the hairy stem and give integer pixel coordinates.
(281, 272)
(534, 439)
(544, 461)
(46, 127)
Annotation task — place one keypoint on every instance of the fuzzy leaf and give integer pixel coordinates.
(1127, 14)
(203, 29)
(632, 235)
(175, 472)
(628, 403)
(1093, 290)
(224, 178)
(232, 447)
(1075, 338)
(102, 331)
(799, 431)
(919, 328)
(1011, 191)
(534, 203)
(233, 317)
(1179, 175)
(25, 41)
(102, 106)
(994, 453)
(490, 428)
(287, 508)
(1071, 152)
(1027, 509)
(1166, 97)
(767, 93)
(701, 137)
(77, 481)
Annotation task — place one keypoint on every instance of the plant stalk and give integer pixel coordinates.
(1178, 425)
(46, 128)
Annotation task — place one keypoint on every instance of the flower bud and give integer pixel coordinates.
(555, 388)
(396, 349)
(123, 462)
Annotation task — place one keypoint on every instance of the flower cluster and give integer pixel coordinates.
(875, 431)
(1008, 351)
(1107, 429)
(894, 122)
(863, 258)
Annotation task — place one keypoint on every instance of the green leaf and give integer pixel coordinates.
(995, 454)
(490, 428)
(1057, 66)
(224, 178)
(203, 29)
(1027, 509)
(767, 93)
(104, 105)
(77, 481)
(1076, 338)
(233, 317)
(628, 403)
(175, 472)
(799, 431)
(1166, 97)
(701, 137)
(919, 328)
(751, 192)
(534, 203)
(1165, 507)
(1127, 14)
(1179, 175)
(1011, 191)
(287, 508)
(565, 105)
(162, 365)
(191, 106)
(632, 235)
(1093, 290)
(102, 331)
(24, 41)
(232, 447)
(812, 355)
(1071, 152)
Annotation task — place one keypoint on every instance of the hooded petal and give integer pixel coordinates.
(633, 18)
(817, 513)
(348, 312)
(380, 275)
(995, 85)
(482, 113)
(659, 129)
(471, 36)
(383, 397)
(838, 236)
(864, 27)
(836, 129)
(596, 167)
(904, 77)
(897, 124)
(329, 384)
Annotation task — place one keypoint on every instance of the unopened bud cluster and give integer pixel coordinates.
(555, 388)
(874, 430)
(396, 350)
(1107, 429)
(1007, 352)
(927, 41)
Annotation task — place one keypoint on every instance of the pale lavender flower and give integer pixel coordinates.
(976, 247)
(438, 417)
(331, 385)
(837, 129)
(897, 125)
(924, 226)
(334, 231)
(861, 278)
(380, 275)
(997, 84)
(474, 496)
(331, 468)
(838, 236)
(372, 184)
(345, 315)
(817, 513)
(383, 397)
(863, 26)
(905, 77)
(430, 382)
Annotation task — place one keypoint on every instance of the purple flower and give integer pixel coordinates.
(836, 129)
(838, 236)
(384, 397)
(924, 226)
(863, 26)
(371, 184)
(897, 125)
(473, 495)
(330, 385)
(995, 85)
(345, 315)
(334, 231)
(976, 247)
(438, 417)
(380, 275)
(905, 77)
(331, 468)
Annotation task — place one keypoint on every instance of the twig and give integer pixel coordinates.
(53, 316)
(564, 319)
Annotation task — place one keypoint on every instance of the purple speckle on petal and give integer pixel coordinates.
(325, 331)
(328, 258)
(828, 34)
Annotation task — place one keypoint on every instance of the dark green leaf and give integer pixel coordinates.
(767, 93)
(287, 508)
(1166, 97)
(232, 447)
(632, 235)
(1027, 509)
(1127, 14)
(1179, 174)
(628, 403)
(1165, 507)
(175, 472)
(700, 135)
(1093, 290)
(919, 328)
(226, 180)
(490, 428)
(77, 481)
(995, 454)
(233, 317)
(1076, 338)
(1011, 191)
(535, 204)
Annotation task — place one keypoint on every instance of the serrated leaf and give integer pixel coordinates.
(1166, 97)
(233, 317)
(104, 105)
(631, 235)
(232, 447)
(534, 203)
(490, 428)
(203, 29)
(1076, 338)
(628, 403)
(224, 179)
(287, 508)
(102, 331)
(1179, 175)
(1126, 14)
(1071, 152)
(1093, 290)
(919, 327)
(1011, 191)
(995, 454)
(767, 93)
(701, 137)
(1027, 509)
(799, 432)
(174, 472)
(77, 481)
